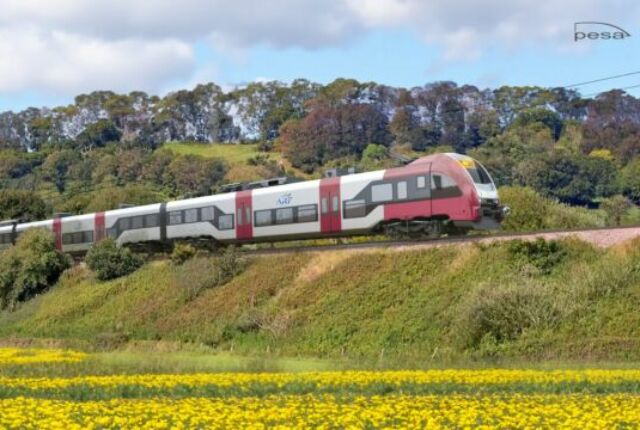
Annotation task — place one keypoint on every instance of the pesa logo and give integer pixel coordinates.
(592, 30)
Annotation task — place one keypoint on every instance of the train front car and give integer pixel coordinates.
(462, 194)
(487, 211)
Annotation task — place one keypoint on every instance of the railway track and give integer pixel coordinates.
(598, 236)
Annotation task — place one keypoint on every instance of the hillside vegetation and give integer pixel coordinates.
(551, 300)
(106, 149)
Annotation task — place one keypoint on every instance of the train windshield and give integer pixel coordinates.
(477, 171)
(479, 174)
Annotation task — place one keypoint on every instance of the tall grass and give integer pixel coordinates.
(562, 300)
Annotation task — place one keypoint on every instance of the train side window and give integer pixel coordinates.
(124, 223)
(77, 237)
(67, 238)
(207, 214)
(448, 182)
(324, 205)
(355, 209)
(441, 182)
(437, 182)
(87, 236)
(284, 216)
(225, 222)
(151, 220)
(381, 192)
(307, 213)
(175, 217)
(191, 215)
(263, 218)
(137, 222)
(421, 182)
(402, 189)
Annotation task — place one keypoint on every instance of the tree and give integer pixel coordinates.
(30, 267)
(631, 180)
(14, 165)
(374, 157)
(109, 261)
(573, 179)
(330, 132)
(22, 205)
(97, 135)
(616, 208)
(193, 175)
(405, 123)
(56, 166)
(546, 117)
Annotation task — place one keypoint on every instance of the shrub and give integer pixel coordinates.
(109, 261)
(30, 267)
(530, 211)
(502, 313)
(229, 265)
(541, 254)
(200, 274)
(21, 204)
(616, 208)
(182, 252)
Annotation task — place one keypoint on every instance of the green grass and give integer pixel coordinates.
(232, 153)
(420, 308)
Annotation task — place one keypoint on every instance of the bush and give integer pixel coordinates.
(182, 252)
(501, 313)
(30, 267)
(200, 274)
(21, 204)
(109, 261)
(229, 265)
(541, 254)
(616, 208)
(531, 212)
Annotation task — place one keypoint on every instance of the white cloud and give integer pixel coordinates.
(64, 63)
(69, 46)
(282, 23)
(466, 29)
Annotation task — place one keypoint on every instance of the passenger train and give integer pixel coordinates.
(436, 194)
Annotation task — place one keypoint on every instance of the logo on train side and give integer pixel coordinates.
(285, 199)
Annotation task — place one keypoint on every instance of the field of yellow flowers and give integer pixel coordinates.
(484, 398)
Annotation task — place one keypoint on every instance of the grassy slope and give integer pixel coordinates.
(236, 157)
(412, 305)
(232, 153)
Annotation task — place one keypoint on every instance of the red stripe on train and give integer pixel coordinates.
(244, 214)
(330, 211)
(99, 228)
(57, 233)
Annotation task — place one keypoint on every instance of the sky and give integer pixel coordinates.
(51, 51)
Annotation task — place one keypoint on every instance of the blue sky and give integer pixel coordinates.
(50, 54)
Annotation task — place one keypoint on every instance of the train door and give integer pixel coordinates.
(57, 232)
(330, 219)
(244, 222)
(428, 186)
(99, 227)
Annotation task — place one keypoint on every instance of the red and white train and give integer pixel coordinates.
(434, 194)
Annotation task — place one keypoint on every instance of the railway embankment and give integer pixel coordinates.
(560, 299)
